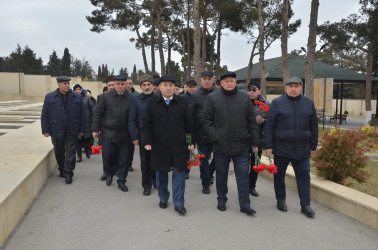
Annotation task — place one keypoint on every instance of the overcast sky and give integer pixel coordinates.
(47, 25)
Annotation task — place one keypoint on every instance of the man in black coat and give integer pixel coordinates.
(137, 108)
(197, 100)
(229, 120)
(254, 92)
(166, 121)
(110, 84)
(112, 113)
(63, 119)
(291, 134)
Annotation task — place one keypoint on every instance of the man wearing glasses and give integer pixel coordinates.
(254, 92)
(112, 113)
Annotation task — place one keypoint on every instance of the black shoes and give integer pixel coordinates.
(206, 190)
(68, 179)
(123, 187)
(109, 179)
(147, 191)
(307, 210)
(163, 204)
(221, 207)
(253, 192)
(212, 180)
(79, 158)
(180, 210)
(103, 177)
(61, 175)
(247, 210)
(131, 169)
(281, 205)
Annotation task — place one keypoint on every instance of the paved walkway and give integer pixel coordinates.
(90, 215)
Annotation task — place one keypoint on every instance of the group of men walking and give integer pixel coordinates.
(224, 123)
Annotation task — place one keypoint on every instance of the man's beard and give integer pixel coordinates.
(149, 92)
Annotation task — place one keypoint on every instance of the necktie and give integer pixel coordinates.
(167, 101)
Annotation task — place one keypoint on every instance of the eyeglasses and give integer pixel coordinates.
(252, 90)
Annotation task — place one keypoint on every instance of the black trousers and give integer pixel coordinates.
(65, 153)
(252, 174)
(83, 143)
(148, 175)
(131, 155)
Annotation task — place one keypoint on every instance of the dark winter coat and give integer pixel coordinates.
(164, 128)
(197, 101)
(291, 127)
(263, 114)
(52, 115)
(89, 110)
(229, 120)
(137, 108)
(112, 116)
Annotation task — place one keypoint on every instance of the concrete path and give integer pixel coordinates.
(90, 215)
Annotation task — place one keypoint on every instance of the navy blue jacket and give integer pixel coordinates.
(291, 127)
(51, 117)
(137, 108)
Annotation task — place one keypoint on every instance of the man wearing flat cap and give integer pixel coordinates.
(112, 114)
(137, 108)
(165, 123)
(254, 92)
(63, 119)
(191, 86)
(197, 100)
(291, 134)
(230, 122)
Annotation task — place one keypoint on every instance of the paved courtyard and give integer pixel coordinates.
(90, 215)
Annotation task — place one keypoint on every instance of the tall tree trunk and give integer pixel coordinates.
(311, 45)
(204, 29)
(152, 41)
(188, 44)
(212, 53)
(143, 48)
(160, 44)
(368, 80)
(197, 42)
(169, 70)
(217, 67)
(284, 60)
(261, 49)
(250, 63)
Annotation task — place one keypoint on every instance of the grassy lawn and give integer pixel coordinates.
(371, 185)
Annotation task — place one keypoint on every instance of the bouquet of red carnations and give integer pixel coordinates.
(96, 149)
(194, 159)
(258, 167)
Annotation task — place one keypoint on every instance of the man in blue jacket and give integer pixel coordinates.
(137, 108)
(63, 119)
(291, 134)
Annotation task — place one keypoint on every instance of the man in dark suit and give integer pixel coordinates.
(63, 118)
(110, 84)
(166, 121)
(112, 113)
(137, 108)
(291, 134)
(197, 100)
